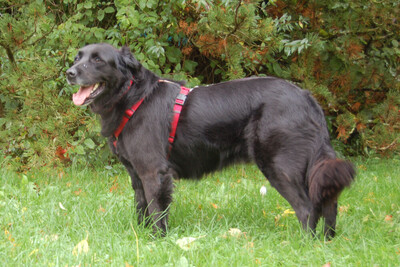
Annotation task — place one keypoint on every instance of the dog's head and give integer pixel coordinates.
(101, 71)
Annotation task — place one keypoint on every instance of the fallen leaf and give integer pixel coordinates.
(81, 247)
(288, 212)
(235, 232)
(54, 237)
(114, 187)
(277, 218)
(61, 206)
(78, 192)
(264, 213)
(186, 243)
(362, 167)
(101, 209)
(344, 208)
(33, 252)
(215, 206)
(263, 191)
(51, 237)
(388, 218)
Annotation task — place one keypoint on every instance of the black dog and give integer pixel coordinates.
(267, 120)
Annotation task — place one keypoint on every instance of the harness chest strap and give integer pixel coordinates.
(179, 102)
(125, 118)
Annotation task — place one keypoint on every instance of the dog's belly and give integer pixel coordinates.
(194, 162)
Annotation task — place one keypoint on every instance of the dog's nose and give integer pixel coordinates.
(71, 73)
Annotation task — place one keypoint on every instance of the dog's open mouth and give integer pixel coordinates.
(87, 94)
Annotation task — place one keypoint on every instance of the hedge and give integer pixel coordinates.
(345, 52)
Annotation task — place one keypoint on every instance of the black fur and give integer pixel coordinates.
(268, 121)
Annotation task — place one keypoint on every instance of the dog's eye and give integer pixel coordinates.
(76, 58)
(97, 60)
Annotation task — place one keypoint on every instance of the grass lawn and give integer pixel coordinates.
(86, 217)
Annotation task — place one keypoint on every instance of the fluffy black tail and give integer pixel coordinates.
(328, 178)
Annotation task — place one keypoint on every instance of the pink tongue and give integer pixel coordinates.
(83, 93)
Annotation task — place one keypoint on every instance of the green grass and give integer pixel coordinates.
(45, 214)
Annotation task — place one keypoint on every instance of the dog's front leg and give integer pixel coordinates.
(158, 192)
(141, 203)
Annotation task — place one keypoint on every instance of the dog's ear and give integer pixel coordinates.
(126, 61)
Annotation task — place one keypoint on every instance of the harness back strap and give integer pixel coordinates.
(179, 102)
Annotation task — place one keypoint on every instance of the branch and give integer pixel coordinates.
(237, 24)
(10, 54)
(384, 148)
(43, 36)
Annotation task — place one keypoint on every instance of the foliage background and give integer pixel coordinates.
(345, 52)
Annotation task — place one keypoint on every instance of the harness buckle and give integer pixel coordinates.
(181, 97)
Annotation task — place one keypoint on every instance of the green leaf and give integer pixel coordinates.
(151, 3)
(79, 150)
(156, 50)
(173, 54)
(89, 143)
(98, 34)
(142, 4)
(100, 15)
(109, 9)
(189, 66)
(395, 43)
(277, 69)
(88, 5)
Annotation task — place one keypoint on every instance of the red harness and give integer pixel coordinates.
(179, 102)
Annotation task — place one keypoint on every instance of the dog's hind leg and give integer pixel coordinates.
(295, 194)
(279, 161)
(329, 212)
(327, 179)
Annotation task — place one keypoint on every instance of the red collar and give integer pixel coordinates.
(179, 102)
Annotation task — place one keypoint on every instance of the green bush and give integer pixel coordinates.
(346, 53)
